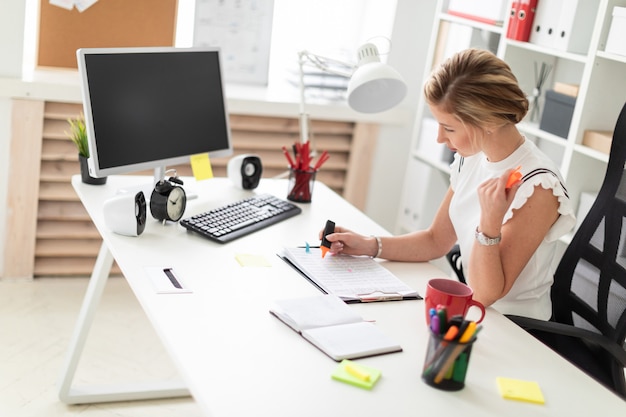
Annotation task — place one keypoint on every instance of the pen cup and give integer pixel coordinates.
(446, 362)
(300, 188)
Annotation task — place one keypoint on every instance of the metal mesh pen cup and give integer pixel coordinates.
(446, 362)
(300, 188)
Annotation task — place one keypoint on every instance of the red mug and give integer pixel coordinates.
(455, 296)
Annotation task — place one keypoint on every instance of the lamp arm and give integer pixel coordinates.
(321, 63)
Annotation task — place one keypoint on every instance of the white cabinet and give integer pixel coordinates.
(601, 78)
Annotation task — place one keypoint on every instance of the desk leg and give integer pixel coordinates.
(82, 395)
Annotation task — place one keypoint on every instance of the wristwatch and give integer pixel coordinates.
(486, 240)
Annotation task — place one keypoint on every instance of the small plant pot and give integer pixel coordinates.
(84, 173)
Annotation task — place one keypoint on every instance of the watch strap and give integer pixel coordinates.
(486, 240)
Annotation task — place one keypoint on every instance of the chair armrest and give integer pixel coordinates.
(566, 330)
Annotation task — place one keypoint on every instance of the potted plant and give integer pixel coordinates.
(78, 135)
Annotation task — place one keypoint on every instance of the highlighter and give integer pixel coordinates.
(357, 372)
(328, 229)
(514, 177)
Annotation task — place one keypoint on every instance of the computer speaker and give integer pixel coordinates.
(125, 213)
(245, 171)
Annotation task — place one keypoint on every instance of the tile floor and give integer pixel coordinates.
(37, 320)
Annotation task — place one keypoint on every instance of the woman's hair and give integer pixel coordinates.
(478, 87)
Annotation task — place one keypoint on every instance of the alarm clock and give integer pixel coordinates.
(168, 200)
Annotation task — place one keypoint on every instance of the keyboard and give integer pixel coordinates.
(240, 218)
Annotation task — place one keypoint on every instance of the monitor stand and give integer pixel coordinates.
(159, 175)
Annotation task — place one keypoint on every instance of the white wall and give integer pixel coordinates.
(11, 45)
(411, 32)
(409, 46)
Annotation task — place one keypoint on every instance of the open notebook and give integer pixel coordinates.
(352, 278)
(333, 327)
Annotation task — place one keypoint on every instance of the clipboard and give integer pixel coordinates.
(355, 279)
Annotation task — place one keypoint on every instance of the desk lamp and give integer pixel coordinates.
(373, 87)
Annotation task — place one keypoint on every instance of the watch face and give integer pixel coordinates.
(176, 203)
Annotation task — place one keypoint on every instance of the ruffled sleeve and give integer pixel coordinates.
(547, 180)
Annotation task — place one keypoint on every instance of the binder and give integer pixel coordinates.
(524, 21)
(564, 24)
(545, 22)
(574, 25)
(512, 27)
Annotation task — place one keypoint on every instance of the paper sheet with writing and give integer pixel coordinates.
(353, 278)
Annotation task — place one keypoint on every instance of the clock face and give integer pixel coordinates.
(176, 203)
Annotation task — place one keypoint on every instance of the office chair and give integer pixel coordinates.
(588, 324)
(454, 259)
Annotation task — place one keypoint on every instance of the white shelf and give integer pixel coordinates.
(611, 57)
(547, 51)
(600, 97)
(472, 23)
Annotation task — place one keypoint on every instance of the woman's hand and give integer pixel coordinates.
(495, 199)
(345, 241)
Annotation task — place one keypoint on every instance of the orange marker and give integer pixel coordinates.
(328, 229)
(514, 177)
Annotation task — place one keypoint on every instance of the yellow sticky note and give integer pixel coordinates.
(515, 389)
(245, 259)
(201, 166)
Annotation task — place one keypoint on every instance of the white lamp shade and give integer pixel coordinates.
(374, 87)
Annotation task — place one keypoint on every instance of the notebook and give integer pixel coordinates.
(352, 278)
(333, 327)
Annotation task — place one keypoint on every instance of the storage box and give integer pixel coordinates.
(492, 12)
(557, 113)
(616, 42)
(600, 140)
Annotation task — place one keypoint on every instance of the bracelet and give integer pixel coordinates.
(380, 246)
(486, 240)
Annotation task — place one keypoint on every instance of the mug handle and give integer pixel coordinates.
(478, 304)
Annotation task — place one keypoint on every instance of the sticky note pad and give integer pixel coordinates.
(245, 259)
(355, 374)
(515, 389)
(201, 166)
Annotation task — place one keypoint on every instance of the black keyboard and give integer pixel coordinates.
(240, 218)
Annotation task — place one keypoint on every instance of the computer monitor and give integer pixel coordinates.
(152, 107)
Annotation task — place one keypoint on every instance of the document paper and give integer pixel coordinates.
(353, 278)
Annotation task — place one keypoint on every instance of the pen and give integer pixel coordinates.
(291, 163)
(435, 324)
(357, 372)
(443, 319)
(328, 229)
(323, 158)
(465, 337)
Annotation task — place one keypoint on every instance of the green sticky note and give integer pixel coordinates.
(201, 166)
(355, 374)
(515, 389)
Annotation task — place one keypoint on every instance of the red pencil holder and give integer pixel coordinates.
(300, 188)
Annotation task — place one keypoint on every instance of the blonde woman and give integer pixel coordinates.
(507, 233)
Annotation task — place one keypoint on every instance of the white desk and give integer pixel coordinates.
(238, 360)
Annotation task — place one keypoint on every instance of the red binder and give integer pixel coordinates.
(524, 21)
(512, 28)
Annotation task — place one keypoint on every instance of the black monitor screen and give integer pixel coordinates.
(152, 107)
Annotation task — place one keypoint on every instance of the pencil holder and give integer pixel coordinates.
(300, 188)
(446, 362)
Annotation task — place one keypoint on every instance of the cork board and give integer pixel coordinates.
(108, 23)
